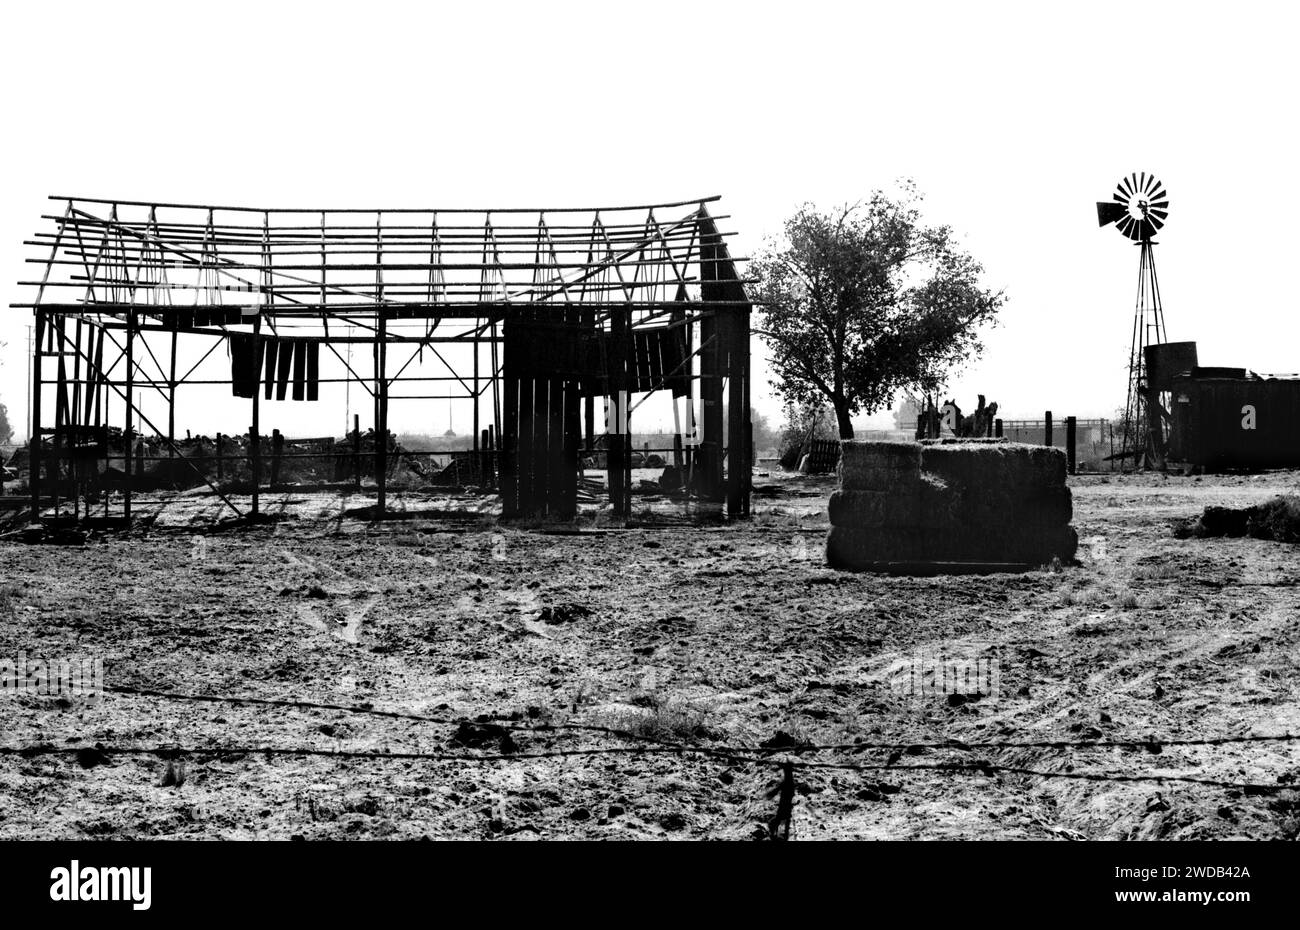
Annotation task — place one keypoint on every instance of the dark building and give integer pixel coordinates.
(1226, 417)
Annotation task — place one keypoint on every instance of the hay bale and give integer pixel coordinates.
(897, 456)
(859, 548)
(863, 547)
(928, 503)
(878, 466)
(1016, 506)
(918, 503)
(1046, 507)
(992, 465)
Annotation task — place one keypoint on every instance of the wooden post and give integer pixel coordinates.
(128, 433)
(381, 374)
(617, 430)
(356, 450)
(171, 399)
(255, 431)
(1071, 455)
(1047, 428)
(34, 441)
(510, 437)
(997, 427)
(277, 451)
(475, 429)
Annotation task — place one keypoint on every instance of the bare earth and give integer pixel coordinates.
(721, 635)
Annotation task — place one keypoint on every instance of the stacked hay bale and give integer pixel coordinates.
(956, 506)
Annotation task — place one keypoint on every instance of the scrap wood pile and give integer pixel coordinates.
(906, 506)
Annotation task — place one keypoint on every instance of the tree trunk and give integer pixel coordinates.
(842, 417)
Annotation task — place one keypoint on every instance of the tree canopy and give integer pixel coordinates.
(864, 301)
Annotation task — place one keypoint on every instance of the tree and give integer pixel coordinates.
(865, 301)
(6, 430)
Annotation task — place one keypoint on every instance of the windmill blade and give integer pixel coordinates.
(1138, 208)
(1108, 212)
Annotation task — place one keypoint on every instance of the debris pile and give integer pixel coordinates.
(1277, 519)
(975, 506)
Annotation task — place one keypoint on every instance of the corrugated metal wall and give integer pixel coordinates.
(1209, 417)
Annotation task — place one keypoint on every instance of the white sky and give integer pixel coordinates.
(1013, 119)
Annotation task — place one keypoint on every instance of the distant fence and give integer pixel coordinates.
(1095, 440)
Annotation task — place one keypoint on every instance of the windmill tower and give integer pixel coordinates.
(1138, 208)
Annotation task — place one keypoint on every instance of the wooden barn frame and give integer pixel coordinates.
(559, 310)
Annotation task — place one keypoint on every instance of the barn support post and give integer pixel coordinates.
(255, 431)
(128, 429)
(709, 455)
(34, 441)
(477, 390)
(724, 334)
(508, 439)
(171, 399)
(739, 435)
(381, 375)
(381, 412)
(618, 453)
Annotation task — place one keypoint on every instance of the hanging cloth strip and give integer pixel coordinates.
(244, 365)
(268, 373)
(313, 370)
(283, 366)
(280, 360)
(299, 370)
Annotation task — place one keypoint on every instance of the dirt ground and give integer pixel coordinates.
(716, 634)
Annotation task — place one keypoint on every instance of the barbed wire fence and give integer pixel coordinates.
(786, 759)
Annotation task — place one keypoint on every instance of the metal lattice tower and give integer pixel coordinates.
(1138, 209)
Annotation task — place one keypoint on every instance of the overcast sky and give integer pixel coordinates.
(1012, 118)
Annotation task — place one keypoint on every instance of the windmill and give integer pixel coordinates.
(1138, 208)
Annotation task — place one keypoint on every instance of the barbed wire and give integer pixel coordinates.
(982, 767)
(1148, 742)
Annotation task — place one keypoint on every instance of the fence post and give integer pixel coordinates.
(1047, 428)
(1071, 438)
(356, 449)
(997, 427)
